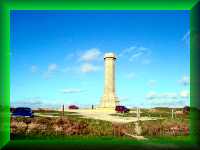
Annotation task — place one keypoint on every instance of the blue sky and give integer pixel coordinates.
(57, 57)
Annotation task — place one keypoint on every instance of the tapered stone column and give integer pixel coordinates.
(109, 99)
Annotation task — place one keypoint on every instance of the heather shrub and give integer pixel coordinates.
(18, 126)
(69, 126)
(165, 127)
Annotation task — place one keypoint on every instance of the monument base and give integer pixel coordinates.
(105, 109)
(109, 102)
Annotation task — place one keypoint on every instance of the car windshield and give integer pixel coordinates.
(23, 109)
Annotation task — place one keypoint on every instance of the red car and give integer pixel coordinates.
(73, 107)
(121, 109)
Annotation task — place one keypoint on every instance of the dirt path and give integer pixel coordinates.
(106, 115)
(101, 115)
(138, 137)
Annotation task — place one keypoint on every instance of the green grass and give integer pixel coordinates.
(57, 113)
(146, 113)
(124, 114)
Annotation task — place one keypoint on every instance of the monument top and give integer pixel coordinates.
(109, 55)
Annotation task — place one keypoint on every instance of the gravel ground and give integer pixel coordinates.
(103, 115)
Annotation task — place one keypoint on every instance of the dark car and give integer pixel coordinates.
(22, 112)
(121, 109)
(73, 107)
(12, 109)
(186, 110)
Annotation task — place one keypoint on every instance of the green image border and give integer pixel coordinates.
(6, 6)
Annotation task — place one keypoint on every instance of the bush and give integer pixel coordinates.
(165, 127)
(67, 126)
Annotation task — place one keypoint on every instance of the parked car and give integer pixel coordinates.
(186, 110)
(121, 109)
(12, 109)
(22, 112)
(73, 107)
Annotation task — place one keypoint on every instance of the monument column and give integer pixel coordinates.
(109, 99)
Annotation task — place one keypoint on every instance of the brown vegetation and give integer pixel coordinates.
(167, 127)
(70, 126)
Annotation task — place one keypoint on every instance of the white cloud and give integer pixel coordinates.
(91, 54)
(69, 56)
(186, 36)
(185, 80)
(86, 68)
(169, 103)
(34, 68)
(135, 55)
(52, 68)
(31, 101)
(127, 50)
(184, 94)
(152, 83)
(162, 96)
(169, 99)
(151, 95)
(135, 52)
(146, 61)
(138, 52)
(186, 39)
(66, 69)
(28, 102)
(169, 95)
(130, 75)
(123, 98)
(71, 90)
(38, 102)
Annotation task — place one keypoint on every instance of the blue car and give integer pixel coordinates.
(22, 112)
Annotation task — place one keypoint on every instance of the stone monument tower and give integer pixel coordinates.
(109, 99)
